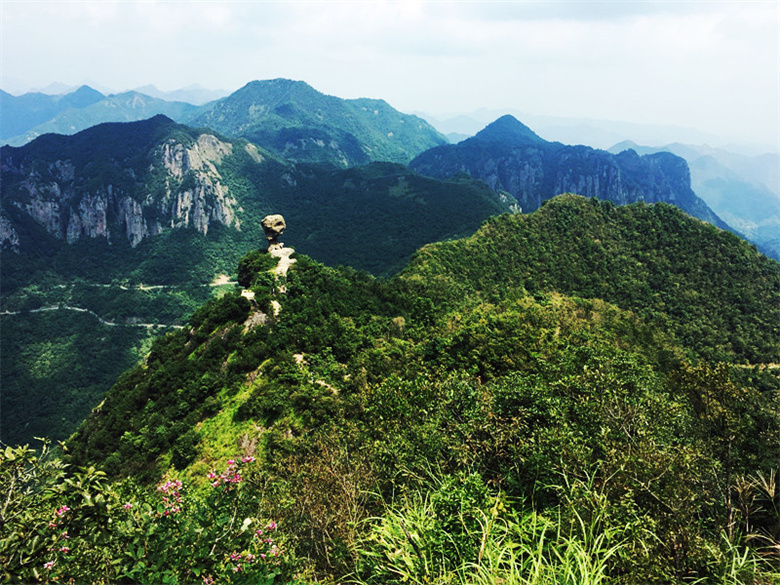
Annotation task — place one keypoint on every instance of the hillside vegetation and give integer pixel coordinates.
(133, 222)
(521, 405)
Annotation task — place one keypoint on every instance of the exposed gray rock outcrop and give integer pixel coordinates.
(9, 239)
(190, 192)
(273, 226)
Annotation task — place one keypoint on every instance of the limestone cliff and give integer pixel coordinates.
(102, 194)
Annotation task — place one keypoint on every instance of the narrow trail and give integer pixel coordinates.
(284, 260)
(221, 280)
(95, 315)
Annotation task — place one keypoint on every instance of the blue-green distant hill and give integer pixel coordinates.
(296, 121)
(123, 107)
(20, 114)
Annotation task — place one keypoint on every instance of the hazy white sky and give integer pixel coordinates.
(714, 66)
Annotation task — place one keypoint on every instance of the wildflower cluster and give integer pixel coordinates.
(171, 491)
(58, 547)
(113, 533)
(263, 546)
(58, 514)
(232, 474)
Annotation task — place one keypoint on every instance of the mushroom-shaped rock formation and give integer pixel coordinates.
(273, 226)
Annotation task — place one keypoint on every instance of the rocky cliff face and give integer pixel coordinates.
(178, 184)
(508, 156)
(9, 239)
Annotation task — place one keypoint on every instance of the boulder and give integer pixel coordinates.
(273, 226)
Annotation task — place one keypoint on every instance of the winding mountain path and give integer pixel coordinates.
(95, 315)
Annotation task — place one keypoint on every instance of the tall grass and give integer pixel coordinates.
(405, 547)
(503, 547)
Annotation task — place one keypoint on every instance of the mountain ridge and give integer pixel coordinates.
(161, 204)
(302, 124)
(512, 158)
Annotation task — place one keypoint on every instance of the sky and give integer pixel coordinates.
(713, 66)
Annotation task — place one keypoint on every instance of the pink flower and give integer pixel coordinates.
(53, 525)
(237, 568)
(127, 506)
(49, 564)
(65, 535)
(62, 510)
(259, 532)
(271, 525)
(231, 462)
(64, 549)
(248, 459)
(208, 580)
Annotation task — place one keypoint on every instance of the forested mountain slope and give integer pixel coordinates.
(569, 364)
(740, 189)
(301, 124)
(716, 292)
(116, 233)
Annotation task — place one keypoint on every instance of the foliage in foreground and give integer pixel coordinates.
(484, 541)
(74, 526)
(60, 526)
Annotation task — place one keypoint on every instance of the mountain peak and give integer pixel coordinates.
(278, 84)
(510, 130)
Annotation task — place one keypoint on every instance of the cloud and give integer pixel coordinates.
(708, 64)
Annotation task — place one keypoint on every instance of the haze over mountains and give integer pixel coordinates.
(743, 190)
(737, 182)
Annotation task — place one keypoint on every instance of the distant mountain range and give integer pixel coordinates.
(21, 114)
(743, 190)
(510, 157)
(193, 94)
(287, 117)
(94, 108)
(303, 125)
